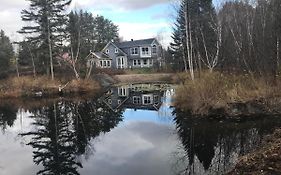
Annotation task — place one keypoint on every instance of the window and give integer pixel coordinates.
(145, 62)
(107, 51)
(121, 62)
(147, 99)
(116, 50)
(134, 51)
(136, 100)
(105, 63)
(154, 49)
(137, 62)
(145, 51)
(119, 102)
(122, 91)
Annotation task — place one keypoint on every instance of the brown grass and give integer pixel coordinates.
(28, 86)
(216, 90)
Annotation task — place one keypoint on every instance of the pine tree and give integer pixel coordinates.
(6, 51)
(202, 36)
(47, 31)
(105, 31)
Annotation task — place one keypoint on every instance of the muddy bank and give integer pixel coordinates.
(264, 161)
(145, 78)
(240, 110)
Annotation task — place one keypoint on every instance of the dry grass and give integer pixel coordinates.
(216, 90)
(28, 86)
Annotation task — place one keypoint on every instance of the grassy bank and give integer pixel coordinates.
(27, 86)
(220, 92)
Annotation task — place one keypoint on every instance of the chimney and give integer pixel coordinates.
(132, 39)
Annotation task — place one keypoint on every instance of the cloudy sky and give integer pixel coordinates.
(136, 19)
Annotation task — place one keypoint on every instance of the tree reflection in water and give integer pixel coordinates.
(63, 132)
(212, 147)
(8, 114)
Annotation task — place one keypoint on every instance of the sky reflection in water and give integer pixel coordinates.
(95, 137)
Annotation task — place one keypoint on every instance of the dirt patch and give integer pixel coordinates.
(264, 161)
(145, 78)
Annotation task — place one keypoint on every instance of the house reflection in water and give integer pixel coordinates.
(136, 96)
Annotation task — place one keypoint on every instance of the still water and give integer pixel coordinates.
(129, 130)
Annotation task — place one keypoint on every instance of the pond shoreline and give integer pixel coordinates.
(241, 110)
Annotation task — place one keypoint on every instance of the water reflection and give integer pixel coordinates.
(63, 131)
(212, 147)
(130, 129)
(8, 114)
(136, 96)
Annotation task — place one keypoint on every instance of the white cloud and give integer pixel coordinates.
(12, 4)
(117, 4)
(10, 21)
(136, 31)
(10, 18)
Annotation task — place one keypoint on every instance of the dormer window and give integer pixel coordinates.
(107, 51)
(116, 50)
(154, 49)
(134, 51)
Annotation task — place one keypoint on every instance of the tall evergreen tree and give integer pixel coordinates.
(6, 51)
(105, 31)
(200, 19)
(47, 30)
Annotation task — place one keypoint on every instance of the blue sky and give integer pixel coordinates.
(137, 19)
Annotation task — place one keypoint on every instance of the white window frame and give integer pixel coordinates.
(105, 63)
(116, 50)
(145, 50)
(147, 99)
(136, 100)
(107, 51)
(122, 91)
(134, 51)
(121, 62)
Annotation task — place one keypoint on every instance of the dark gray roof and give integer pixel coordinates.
(135, 43)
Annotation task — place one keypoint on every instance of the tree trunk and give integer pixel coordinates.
(32, 59)
(50, 50)
(188, 42)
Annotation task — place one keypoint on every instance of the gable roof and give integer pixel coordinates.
(135, 43)
(101, 55)
(114, 44)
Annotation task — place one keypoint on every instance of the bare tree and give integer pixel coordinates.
(189, 46)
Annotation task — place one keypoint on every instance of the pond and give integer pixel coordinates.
(130, 129)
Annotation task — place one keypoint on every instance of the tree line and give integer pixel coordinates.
(239, 36)
(55, 38)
